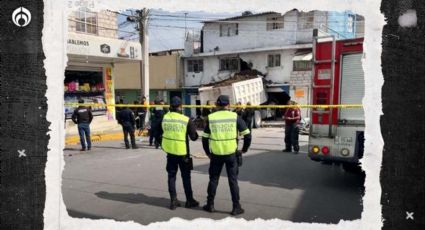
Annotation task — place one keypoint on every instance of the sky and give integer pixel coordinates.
(167, 29)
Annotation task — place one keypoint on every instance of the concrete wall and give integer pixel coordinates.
(306, 35)
(253, 32)
(165, 72)
(104, 19)
(280, 74)
(211, 72)
(127, 75)
(343, 23)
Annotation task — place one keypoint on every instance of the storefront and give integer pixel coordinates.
(90, 71)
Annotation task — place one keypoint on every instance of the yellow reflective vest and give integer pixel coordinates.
(223, 136)
(174, 126)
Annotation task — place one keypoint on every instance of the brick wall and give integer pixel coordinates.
(300, 78)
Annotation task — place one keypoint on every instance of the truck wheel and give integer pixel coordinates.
(257, 119)
(352, 168)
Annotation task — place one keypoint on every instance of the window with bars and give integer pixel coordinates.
(230, 29)
(195, 66)
(273, 60)
(86, 21)
(275, 23)
(229, 64)
(302, 66)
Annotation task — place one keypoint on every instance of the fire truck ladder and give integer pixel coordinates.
(316, 37)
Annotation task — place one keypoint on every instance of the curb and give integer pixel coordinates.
(97, 137)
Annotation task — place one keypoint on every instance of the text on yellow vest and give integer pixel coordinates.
(223, 135)
(174, 126)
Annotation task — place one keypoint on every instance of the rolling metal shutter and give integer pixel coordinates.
(352, 87)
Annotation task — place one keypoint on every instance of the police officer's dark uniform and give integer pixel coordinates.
(219, 141)
(176, 129)
(83, 116)
(127, 121)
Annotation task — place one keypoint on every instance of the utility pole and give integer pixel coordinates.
(185, 25)
(144, 41)
(144, 64)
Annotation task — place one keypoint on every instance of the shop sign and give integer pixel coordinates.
(104, 48)
(299, 93)
(109, 93)
(89, 45)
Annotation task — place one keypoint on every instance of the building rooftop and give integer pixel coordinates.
(242, 16)
(165, 52)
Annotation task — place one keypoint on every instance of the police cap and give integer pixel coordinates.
(223, 100)
(176, 102)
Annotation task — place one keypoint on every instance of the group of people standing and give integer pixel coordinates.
(247, 114)
(131, 119)
(172, 130)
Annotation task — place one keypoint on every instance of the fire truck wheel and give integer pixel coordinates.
(352, 168)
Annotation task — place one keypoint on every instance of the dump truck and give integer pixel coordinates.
(337, 135)
(241, 89)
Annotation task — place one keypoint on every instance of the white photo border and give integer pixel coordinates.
(54, 38)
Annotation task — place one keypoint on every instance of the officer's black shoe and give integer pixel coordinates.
(237, 210)
(209, 208)
(83, 149)
(191, 204)
(286, 151)
(174, 204)
(134, 147)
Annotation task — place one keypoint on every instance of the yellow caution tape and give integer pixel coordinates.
(343, 106)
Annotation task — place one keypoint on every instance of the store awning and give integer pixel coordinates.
(96, 60)
(303, 57)
(101, 49)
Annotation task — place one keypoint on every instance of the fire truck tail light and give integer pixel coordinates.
(325, 150)
(315, 149)
(345, 152)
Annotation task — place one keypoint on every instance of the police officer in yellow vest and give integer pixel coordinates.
(176, 129)
(219, 141)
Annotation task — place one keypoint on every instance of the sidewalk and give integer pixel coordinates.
(101, 129)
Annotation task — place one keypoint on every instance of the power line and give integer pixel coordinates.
(269, 32)
(219, 19)
(227, 17)
(241, 21)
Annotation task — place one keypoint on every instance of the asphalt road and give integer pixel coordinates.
(112, 182)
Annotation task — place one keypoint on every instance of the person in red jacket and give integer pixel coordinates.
(292, 117)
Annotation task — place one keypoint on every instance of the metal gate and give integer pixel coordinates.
(352, 87)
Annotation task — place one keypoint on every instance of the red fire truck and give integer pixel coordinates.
(337, 135)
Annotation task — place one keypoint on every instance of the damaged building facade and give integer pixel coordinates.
(275, 46)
